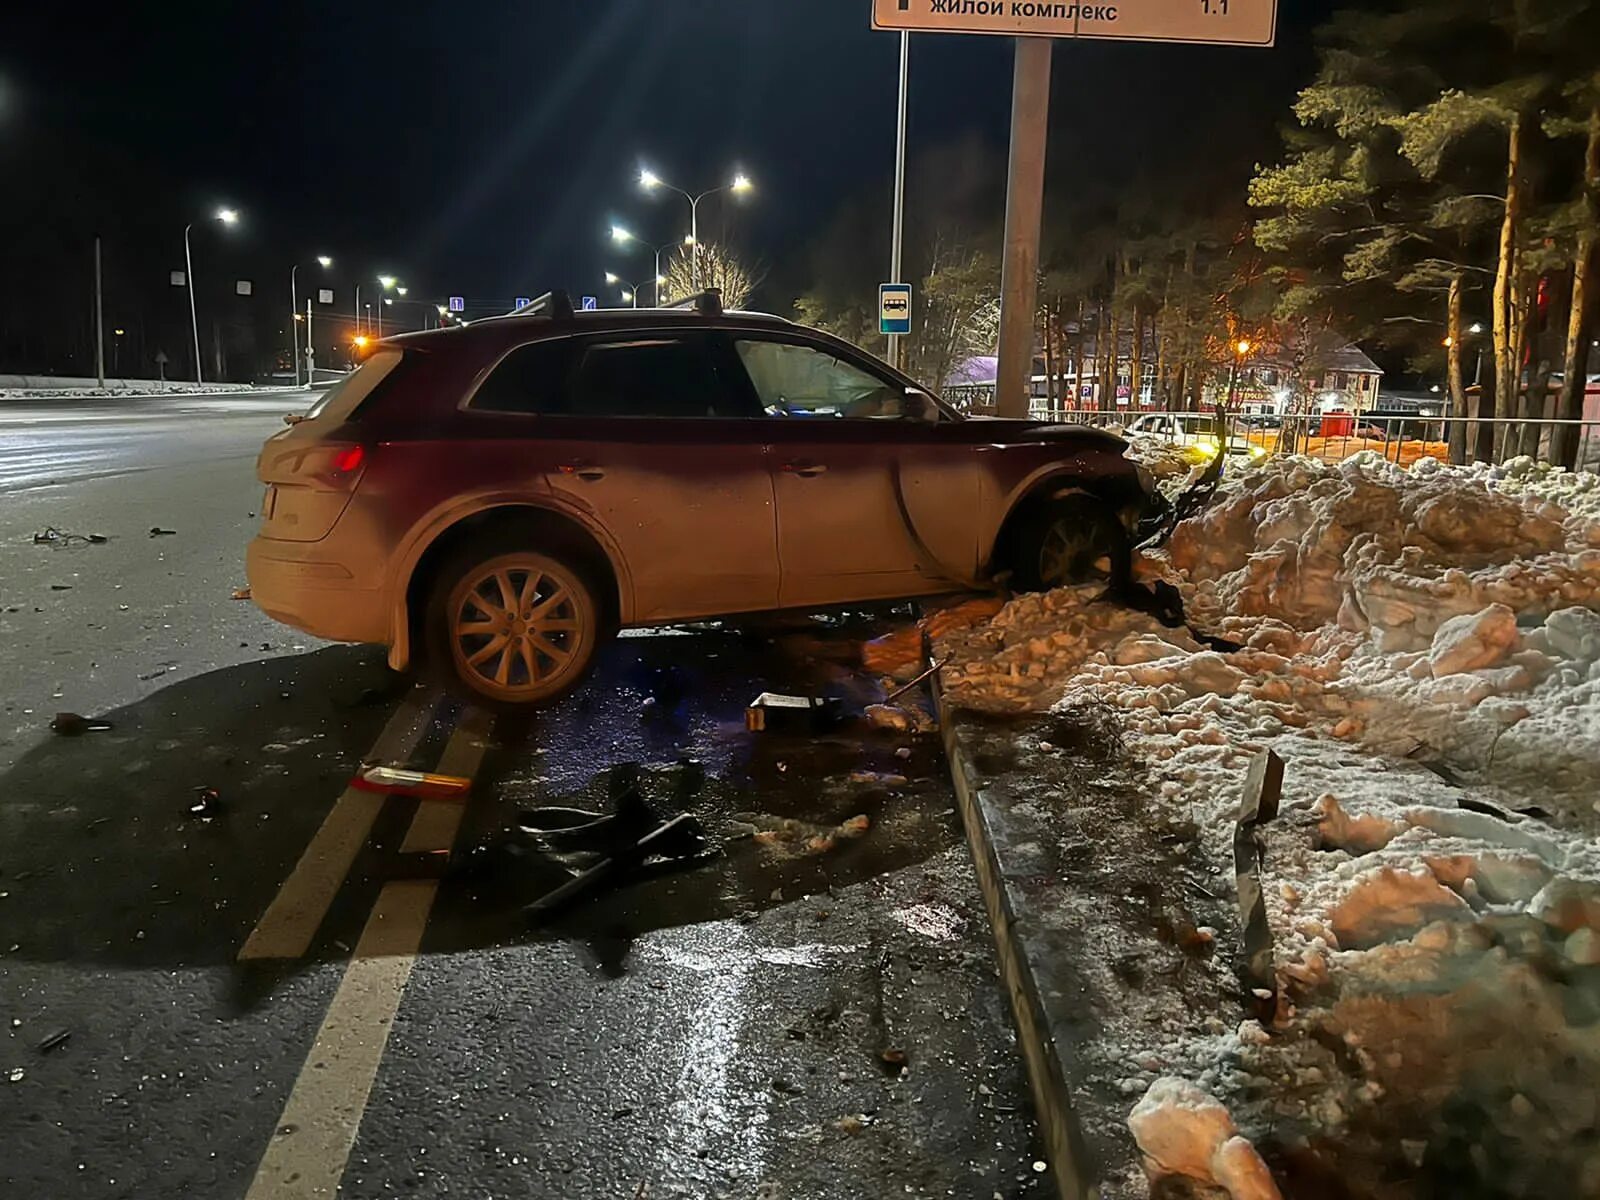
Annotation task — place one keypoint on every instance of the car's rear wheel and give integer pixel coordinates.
(1075, 539)
(515, 627)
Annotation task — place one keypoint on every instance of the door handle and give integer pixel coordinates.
(806, 470)
(585, 471)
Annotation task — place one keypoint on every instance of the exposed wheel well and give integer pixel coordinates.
(525, 525)
(1004, 555)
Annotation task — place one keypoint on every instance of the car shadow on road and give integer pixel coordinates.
(103, 863)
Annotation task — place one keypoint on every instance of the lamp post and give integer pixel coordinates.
(1241, 349)
(649, 181)
(387, 281)
(622, 237)
(294, 311)
(227, 216)
(630, 291)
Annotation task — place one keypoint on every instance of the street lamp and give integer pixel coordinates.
(324, 262)
(630, 291)
(387, 282)
(227, 216)
(622, 237)
(1242, 348)
(649, 181)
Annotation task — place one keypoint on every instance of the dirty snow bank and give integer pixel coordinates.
(1423, 649)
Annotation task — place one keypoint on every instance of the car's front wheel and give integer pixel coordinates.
(515, 626)
(1074, 539)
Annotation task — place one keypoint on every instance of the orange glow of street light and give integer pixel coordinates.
(1244, 347)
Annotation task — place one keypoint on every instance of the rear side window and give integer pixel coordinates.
(339, 403)
(651, 376)
(531, 379)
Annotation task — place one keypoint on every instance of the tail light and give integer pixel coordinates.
(321, 466)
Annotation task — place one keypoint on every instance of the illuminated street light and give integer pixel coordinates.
(1477, 327)
(649, 181)
(1243, 347)
(627, 297)
(387, 281)
(324, 262)
(401, 291)
(622, 236)
(227, 216)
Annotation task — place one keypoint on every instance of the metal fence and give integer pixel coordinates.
(1401, 439)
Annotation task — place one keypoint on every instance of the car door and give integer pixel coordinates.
(873, 500)
(648, 440)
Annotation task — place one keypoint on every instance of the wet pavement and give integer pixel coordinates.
(813, 1013)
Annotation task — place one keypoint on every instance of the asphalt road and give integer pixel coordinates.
(289, 995)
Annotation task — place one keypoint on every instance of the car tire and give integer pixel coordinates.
(1071, 540)
(512, 627)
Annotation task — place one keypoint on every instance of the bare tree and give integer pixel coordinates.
(719, 268)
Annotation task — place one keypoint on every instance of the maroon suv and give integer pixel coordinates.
(499, 499)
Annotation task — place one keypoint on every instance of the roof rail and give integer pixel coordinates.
(557, 305)
(708, 303)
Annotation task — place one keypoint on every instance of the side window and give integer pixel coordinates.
(649, 376)
(531, 379)
(801, 381)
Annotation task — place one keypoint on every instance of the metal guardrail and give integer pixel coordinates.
(1401, 439)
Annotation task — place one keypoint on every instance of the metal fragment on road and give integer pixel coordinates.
(1262, 791)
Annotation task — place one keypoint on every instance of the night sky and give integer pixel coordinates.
(485, 150)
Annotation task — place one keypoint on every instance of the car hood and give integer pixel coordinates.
(1008, 431)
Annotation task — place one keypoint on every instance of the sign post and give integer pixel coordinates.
(1033, 23)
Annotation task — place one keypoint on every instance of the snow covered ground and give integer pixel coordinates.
(1422, 648)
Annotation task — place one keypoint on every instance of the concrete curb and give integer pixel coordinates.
(1065, 1146)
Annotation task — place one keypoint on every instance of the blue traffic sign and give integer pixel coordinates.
(894, 308)
(458, 304)
(591, 303)
(523, 302)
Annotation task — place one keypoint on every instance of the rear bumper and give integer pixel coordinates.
(303, 585)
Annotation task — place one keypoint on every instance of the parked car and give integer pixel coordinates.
(1199, 430)
(497, 500)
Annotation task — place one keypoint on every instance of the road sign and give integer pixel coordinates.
(177, 278)
(591, 303)
(1219, 22)
(894, 308)
(523, 302)
(458, 304)
(242, 287)
(324, 295)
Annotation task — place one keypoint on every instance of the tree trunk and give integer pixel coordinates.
(1049, 364)
(1458, 392)
(1481, 446)
(1083, 360)
(1507, 342)
(1528, 404)
(1112, 355)
(1575, 362)
(1136, 367)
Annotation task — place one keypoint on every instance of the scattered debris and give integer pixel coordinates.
(772, 712)
(16, 1074)
(60, 587)
(157, 531)
(70, 724)
(894, 1059)
(241, 593)
(901, 719)
(1263, 788)
(207, 803)
(852, 1124)
(56, 1040)
(58, 538)
(880, 778)
(906, 687)
(422, 785)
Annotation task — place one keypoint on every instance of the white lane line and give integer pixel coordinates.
(291, 920)
(307, 1156)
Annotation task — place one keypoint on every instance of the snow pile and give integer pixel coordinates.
(1423, 649)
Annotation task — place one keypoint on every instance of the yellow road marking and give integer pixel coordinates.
(291, 920)
(309, 1152)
